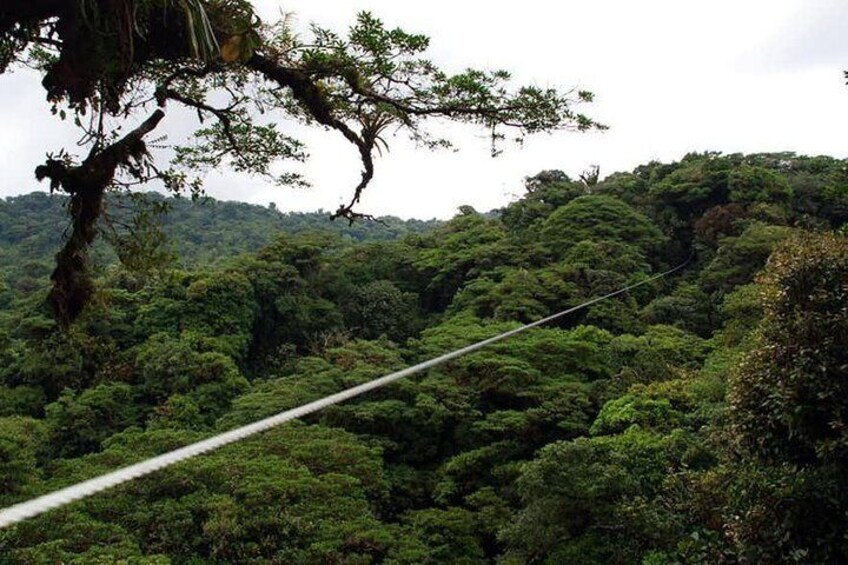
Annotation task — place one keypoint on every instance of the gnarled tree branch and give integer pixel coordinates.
(87, 184)
(307, 93)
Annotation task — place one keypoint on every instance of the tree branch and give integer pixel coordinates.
(308, 94)
(87, 184)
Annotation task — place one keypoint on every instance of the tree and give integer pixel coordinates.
(463, 248)
(103, 60)
(380, 308)
(604, 438)
(79, 423)
(546, 191)
(739, 259)
(687, 307)
(591, 500)
(21, 439)
(595, 218)
(301, 494)
(788, 405)
(756, 184)
(789, 400)
(170, 370)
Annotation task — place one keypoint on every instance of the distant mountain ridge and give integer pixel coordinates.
(201, 232)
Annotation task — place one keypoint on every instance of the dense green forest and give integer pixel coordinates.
(698, 419)
(201, 232)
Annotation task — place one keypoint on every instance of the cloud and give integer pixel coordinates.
(29, 132)
(813, 34)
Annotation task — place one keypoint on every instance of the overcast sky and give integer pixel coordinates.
(670, 77)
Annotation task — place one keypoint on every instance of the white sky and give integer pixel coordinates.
(670, 77)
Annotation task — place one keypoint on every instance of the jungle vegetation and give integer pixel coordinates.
(698, 419)
(167, 231)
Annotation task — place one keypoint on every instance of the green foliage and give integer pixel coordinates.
(786, 407)
(52, 360)
(597, 218)
(219, 60)
(788, 400)
(448, 534)
(660, 353)
(514, 294)
(742, 311)
(197, 232)
(21, 400)
(21, 443)
(618, 415)
(756, 184)
(604, 437)
(464, 248)
(297, 494)
(78, 424)
(782, 513)
(166, 367)
(222, 307)
(380, 308)
(589, 500)
(688, 307)
(546, 192)
(739, 259)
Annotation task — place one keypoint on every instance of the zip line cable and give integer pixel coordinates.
(29, 509)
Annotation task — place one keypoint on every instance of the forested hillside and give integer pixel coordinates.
(698, 419)
(192, 233)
